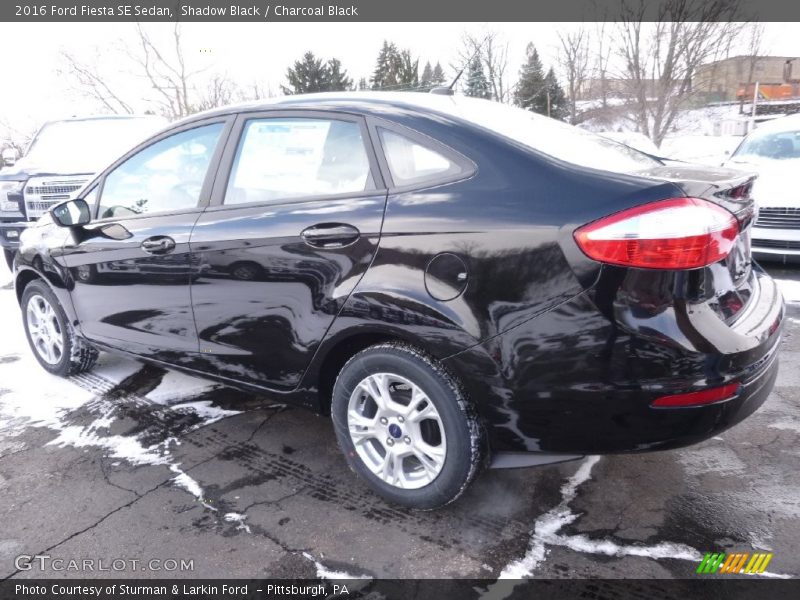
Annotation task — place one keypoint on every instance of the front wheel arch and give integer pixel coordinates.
(24, 278)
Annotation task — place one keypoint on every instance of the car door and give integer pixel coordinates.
(131, 266)
(291, 230)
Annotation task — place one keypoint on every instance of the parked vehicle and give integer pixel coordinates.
(773, 151)
(455, 281)
(62, 156)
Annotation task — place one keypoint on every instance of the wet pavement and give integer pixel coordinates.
(135, 463)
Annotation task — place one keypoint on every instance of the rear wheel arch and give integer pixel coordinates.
(336, 355)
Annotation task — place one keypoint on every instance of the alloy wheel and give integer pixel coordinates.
(44, 329)
(396, 431)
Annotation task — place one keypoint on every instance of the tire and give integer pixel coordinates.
(435, 451)
(54, 342)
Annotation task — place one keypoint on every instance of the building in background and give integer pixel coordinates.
(734, 78)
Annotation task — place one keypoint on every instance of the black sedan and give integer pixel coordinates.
(456, 282)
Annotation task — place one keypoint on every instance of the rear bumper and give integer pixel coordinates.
(573, 381)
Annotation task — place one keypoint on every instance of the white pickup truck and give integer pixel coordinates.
(62, 156)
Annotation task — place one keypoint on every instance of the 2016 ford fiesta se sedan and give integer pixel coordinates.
(456, 282)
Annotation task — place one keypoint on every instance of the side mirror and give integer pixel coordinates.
(72, 213)
(10, 157)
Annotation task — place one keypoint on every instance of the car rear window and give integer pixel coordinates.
(553, 137)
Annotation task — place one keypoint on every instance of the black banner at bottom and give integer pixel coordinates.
(711, 588)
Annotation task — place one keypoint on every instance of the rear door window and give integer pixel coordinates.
(284, 158)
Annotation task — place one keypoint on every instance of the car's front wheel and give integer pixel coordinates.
(51, 337)
(405, 426)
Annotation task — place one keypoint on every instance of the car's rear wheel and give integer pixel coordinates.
(51, 337)
(405, 426)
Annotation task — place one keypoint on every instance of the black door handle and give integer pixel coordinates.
(330, 235)
(158, 244)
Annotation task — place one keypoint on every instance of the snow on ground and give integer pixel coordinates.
(547, 531)
(239, 520)
(324, 572)
(61, 406)
(790, 290)
(5, 274)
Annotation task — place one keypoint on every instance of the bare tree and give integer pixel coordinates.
(660, 58)
(175, 88)
(573, 56)
(166, 71)
(492, 51)
(15, 137)
(754, 48)
(90, 82)
(601, 60)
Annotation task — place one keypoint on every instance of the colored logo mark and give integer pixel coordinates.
(738, 562)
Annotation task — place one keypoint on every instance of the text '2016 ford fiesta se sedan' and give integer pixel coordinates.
(457, 282)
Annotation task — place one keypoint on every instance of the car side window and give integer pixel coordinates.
(411, 162)
(283, 158)
(166, 176)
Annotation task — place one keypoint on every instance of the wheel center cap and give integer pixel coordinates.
(395, 431)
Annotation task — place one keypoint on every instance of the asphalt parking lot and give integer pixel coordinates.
(135, 463)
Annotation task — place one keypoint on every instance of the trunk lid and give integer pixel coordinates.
(728, 284)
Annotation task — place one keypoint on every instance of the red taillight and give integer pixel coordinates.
(680, 233)
(709, 396)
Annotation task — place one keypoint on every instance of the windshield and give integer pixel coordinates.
(555, 138)
(86, 146)
(778, 145)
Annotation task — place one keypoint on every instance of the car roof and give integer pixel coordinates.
(359, 102)
(104, 118)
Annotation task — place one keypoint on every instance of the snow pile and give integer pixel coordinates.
(239, 520)
(324, 572)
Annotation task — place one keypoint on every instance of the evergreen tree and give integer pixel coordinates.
(477, 85)
(362, 84)
(438, 75)
(306, 76)
(338, 80)
(407, 71)
(557, 97)
(426, 79)
(310, 74)
(395, 70)
(531, 92)
(386, 67)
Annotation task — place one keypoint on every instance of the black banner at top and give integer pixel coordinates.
(394, 10)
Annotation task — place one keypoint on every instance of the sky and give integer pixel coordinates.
(35, 89)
